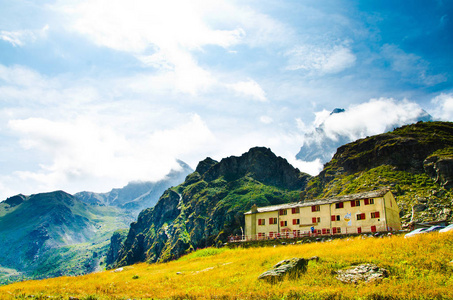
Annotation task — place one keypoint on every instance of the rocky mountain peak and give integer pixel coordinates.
(261, 164)
(204, 165)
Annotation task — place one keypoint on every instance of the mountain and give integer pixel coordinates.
(137, 196)
(209, 205)
(53, 234)
(322, 142)
(414, 161)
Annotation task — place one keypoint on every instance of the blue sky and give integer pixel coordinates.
(97, 93)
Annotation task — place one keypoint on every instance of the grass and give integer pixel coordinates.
(420, 268)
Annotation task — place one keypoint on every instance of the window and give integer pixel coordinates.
(283, 212)
(272, 221)
(368, 201)
(283, 223)
(261, 221)
(335, 218)
(319, 231)
(360, 216)
(261, 235)
(355, 203)
(296, 221)
(375, 215)
(315, 208)
(339, 205)
(316, 220)
(328, 230)
(336, 230)
(295, 210)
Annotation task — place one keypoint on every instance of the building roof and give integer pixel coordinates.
(358, 196)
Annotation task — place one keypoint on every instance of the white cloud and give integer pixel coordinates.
(411, 67)
(19, 38)
(321, 60)
(443, 107)
(266, 120)
(373, 117)
(85, 156)
(249, 88)
(162, 35)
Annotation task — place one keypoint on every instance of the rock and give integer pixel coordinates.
(291, 268)
(362, 273)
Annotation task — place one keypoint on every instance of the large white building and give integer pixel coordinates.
(374, 211)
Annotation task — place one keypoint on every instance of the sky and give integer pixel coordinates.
(97, 93)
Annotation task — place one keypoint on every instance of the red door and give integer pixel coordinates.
(359, 229)
(373, 228)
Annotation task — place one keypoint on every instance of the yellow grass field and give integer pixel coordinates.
(420, 268)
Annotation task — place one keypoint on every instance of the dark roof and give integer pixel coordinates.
(337, 199)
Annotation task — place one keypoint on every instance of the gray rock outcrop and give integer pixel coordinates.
(364, 273)
(289, 268)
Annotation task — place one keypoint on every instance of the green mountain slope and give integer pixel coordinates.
(38, 234)
(414, 161)
(209, 205)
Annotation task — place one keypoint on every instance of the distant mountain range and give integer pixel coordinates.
(137, 196)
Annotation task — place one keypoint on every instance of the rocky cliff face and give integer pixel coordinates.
(405, 148)
(209, 205)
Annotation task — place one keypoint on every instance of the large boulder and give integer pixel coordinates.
(290, 268)
(365, 273)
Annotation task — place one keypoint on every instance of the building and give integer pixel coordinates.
(374, 211)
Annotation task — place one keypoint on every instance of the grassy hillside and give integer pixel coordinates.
(420, 268)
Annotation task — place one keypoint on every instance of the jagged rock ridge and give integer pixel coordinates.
(209, 205)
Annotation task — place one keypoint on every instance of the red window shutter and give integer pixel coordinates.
(271, 221)
(334, 230)
(313, 208)
(362, 216)
(353, 203)
(366, 201)
(324, 231)
(332, 218)
(376, 214)
(282, 223)
(313, 220)
(294, 221)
